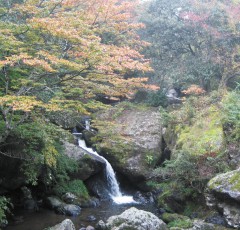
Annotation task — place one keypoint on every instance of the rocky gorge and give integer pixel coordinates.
(134, 139)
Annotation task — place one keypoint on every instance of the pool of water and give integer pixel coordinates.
(46, 218)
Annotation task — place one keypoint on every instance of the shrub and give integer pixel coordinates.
(231, 115)
(191, 172)
(157, 99)
(5, 206)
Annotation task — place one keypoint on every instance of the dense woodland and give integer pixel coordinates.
(80, 57)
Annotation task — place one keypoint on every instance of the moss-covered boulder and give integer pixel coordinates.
(223, 192)
(130, 137)
(177, 220)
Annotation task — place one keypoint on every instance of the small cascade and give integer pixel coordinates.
(115, 192)
(87, 124)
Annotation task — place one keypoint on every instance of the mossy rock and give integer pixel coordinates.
(205, 135)
(226, 184)
(170, 217)
(130, 138)
(175, 220)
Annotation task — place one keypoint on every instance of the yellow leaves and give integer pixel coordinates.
(19, 103)
(50, 154)
(28, 60)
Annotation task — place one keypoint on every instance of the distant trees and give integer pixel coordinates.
(193, 42)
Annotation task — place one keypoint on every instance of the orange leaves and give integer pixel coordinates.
(194, 90)
(24, 58)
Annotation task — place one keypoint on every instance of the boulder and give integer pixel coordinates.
(130, 138)
(133, 219)
(69, 210)
(88, 165)
(62, 208)
(223, 193)
(65, 119)
(52, 202)
(64, 225)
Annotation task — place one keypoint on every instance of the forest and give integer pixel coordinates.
(152, 85)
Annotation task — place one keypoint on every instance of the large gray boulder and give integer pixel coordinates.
(133, 219)
(223, 193)
(64, 225)
(130, 137)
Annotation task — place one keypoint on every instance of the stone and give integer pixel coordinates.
(64, 225)
(133, 144)
(69, 210)
(87, 165)
(53, 202)
(91, 218)
(201, 225)
(90, 228)
(223, 193)
(133, 219)
(101, 225)
(69, 197)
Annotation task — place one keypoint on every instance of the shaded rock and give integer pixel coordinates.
(67, 120)
(69, 210)
(201, 225)
(90, 228)
(53, 202)
(62, 208)
(64, 225)
(133, 219)
(91, 203)
(28, 202)
(97, 185)
(223, 193)
(101, 225)
(88, 166)
(216, 219)
(69, 198)
(91, 218)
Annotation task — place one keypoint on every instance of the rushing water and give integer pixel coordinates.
(114, 192)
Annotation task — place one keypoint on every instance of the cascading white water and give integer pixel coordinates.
(115, 192)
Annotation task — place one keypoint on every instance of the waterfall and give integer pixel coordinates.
(87, 124)
(114, 192)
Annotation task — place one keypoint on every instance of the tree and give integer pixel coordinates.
(193, 42)
(62, 54)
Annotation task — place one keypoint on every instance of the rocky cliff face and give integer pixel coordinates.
(131, 140)
(223, 193)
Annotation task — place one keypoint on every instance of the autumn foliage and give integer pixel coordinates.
(68, 54)
(194, 90)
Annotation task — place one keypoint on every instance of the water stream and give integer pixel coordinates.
(115, 193)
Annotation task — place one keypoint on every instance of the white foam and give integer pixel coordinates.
(123, 200)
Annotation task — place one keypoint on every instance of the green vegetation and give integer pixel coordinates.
(231, 115)
(76, 187)
(5, 206)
